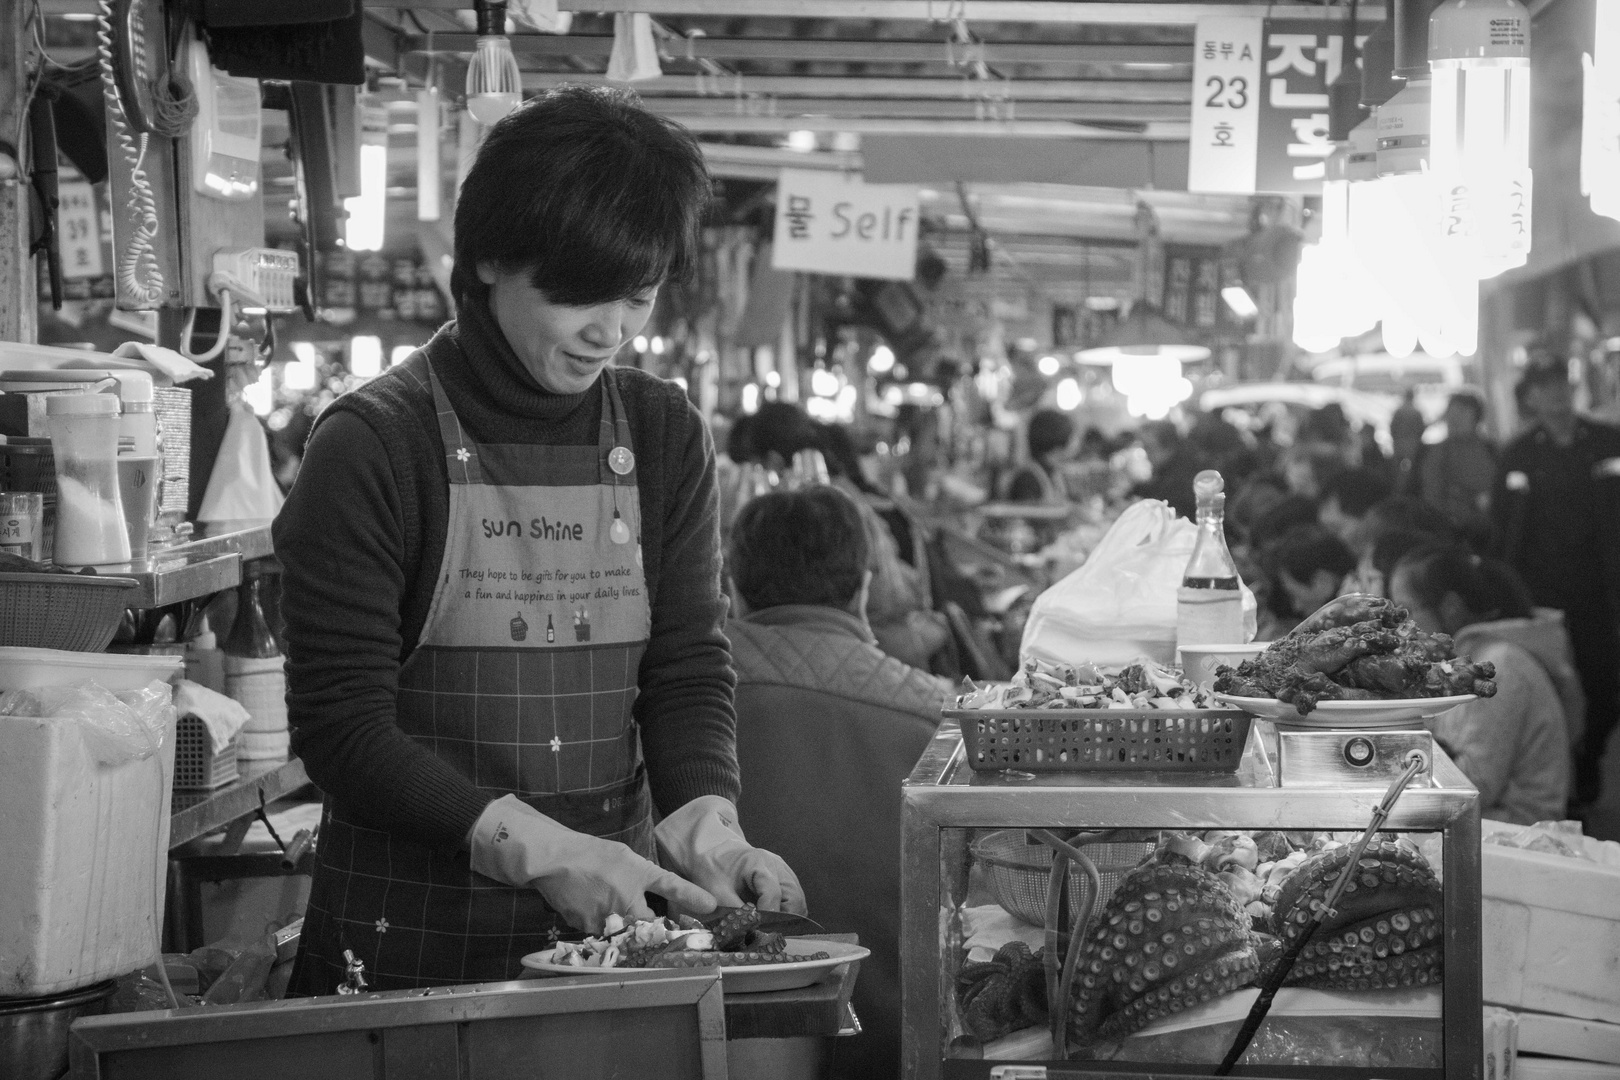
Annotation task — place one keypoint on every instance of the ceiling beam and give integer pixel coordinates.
(1093, 90)
(897, 108)
(825, 50)
(927, 11)
(1040, 129)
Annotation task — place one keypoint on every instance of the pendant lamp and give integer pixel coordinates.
(1479, 55)
(494, 84)
(1600, 118)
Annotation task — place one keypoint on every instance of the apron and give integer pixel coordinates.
(523, 681)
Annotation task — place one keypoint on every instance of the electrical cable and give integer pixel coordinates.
(139, 273)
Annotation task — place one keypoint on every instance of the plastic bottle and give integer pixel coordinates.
(1209, 608)
(255, 674)
(90, 528)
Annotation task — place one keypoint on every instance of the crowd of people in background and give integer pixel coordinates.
(1513, 550)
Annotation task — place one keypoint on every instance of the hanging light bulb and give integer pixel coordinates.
(1479, 55)
(494, 85)
(1600, 117)
(368, 211)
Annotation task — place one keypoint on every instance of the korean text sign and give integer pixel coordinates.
(833, 223)
(1268, 108)
(1226, 105)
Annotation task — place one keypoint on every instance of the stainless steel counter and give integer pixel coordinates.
(196, 569)
(197, 813)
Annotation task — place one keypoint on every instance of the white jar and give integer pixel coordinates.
(90, 528)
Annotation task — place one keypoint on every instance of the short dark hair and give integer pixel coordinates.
(1393, 545)
(1488, 589)
(595, 197)
(1357, 491)
(1289, 512)
(1306, 549)
(1544, 373)
(783, 428)
(1408, 512)
(1471, 399)
(798, 547)
(1049, 430)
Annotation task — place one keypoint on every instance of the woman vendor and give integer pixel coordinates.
(502, 587)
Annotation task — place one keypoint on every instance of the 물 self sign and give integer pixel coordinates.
(833, 223)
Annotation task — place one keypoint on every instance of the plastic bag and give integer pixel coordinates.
(1121, 603)
(125, 726)
(242, 486)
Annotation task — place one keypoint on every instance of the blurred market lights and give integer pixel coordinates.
(365, 356)
(1069, 395)
(300, 373)
(1048, 366)
(881, 360)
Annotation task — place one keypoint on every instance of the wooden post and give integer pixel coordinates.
(19, 311)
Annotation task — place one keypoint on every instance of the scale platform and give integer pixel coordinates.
(1330, 758)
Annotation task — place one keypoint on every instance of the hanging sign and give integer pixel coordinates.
(1302, 58)
(1226, 105)
(80, 234)
(833, 223)
(1260, 104)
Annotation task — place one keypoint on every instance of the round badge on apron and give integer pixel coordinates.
(523, 681)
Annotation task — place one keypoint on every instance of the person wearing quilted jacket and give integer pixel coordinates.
(828, 726)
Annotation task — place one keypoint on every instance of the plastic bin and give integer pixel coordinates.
(84, 849)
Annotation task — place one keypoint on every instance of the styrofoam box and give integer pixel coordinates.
(1568, 1037)
(1551, 933)
(83, 845)
(1526, 1067)
(30, 669)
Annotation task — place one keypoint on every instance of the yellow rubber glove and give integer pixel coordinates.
(584, 877)
(704, 842)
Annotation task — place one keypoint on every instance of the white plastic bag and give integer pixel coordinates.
(242, 487)
(1121, 603)
(117, 727)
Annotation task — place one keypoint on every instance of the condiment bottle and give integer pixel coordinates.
(1209, 604)
(255, 673)
(90, 528)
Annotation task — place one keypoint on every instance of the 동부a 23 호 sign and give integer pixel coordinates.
(1260, 103)
(833, 223)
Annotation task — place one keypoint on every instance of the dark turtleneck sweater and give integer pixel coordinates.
(362, 535)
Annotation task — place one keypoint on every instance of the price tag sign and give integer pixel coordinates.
(76, 221)
(832, 223)
(1226, 105)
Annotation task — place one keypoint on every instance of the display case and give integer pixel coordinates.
(1168, 960)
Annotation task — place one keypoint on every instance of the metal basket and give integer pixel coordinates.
(72, 612)
(1103, 740)
(1019, 873)
(197, 765)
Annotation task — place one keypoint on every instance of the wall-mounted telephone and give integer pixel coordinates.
(225, 138)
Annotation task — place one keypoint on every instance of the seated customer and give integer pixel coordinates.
(1514, 747)
(827, 728)
(1306, 565)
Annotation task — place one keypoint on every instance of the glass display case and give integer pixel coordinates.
(1175, 895)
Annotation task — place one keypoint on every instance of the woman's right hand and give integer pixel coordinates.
(584, 877)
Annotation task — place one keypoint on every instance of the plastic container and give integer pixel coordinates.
(90, 526)
(1198, 662)
(30, 669)
(137, 492)
(83, 848)
(1102, 740)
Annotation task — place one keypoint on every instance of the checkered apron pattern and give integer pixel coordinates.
(523, 680)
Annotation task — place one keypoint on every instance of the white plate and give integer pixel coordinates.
(747, 979)
(1389, 713)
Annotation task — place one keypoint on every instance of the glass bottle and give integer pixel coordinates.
(551, 631)
(250, 636)
(1209, 604)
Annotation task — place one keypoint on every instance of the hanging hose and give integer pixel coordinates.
(1057, 1005)
(1416, 762)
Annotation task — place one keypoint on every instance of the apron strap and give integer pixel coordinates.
(614, 435)
(460, 451)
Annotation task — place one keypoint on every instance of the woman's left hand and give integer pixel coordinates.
(704, 843)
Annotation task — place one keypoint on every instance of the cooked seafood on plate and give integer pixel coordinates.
(1357, 648)
(1042, 685)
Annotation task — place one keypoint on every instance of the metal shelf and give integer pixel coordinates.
(197, 813)
(196, 569)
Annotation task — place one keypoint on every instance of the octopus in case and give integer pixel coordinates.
(1172, 936)
(1178, 932)
(1385, 931)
